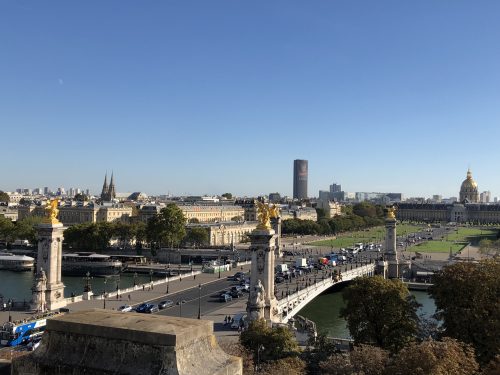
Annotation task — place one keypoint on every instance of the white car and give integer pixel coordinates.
(125, 308)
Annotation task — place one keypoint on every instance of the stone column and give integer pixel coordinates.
(262, 302)
(390, 253)
(49, 259)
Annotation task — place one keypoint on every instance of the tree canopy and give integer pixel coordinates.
(380, 312)
(227, 195)
(278, 342)
(467, 301)
(4, 197)
(196, 237)
(168, 227)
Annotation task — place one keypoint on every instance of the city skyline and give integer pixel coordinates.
(211, 98)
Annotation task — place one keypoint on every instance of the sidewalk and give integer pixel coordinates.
(137, 296)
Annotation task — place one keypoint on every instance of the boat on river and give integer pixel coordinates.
(11, 262)
(78, 264)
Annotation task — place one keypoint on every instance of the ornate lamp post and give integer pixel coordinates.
(87, 287)
(104, 297)
(199, 301)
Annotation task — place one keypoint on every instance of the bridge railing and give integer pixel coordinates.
(293, 303)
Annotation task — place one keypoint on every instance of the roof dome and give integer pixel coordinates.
(469, 183)
(468, 190)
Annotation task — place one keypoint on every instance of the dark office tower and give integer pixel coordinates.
(300, 179)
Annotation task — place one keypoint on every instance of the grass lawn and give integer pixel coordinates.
(375, 235)
(438, 246)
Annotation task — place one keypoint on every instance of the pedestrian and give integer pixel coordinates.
(194, 277)
(225, 320)
(143, 287)
(129, 297)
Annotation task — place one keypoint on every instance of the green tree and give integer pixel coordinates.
(80, 197)
(196, 237)
(4, 197)
(227, 195)
(435, 358)
(89, 236)
(124, 232)
(7, 229)
(194, 220)
(380, 312)
(467, 301)
(25, 229)
(168, 227)
(364, 209)
(278, 342)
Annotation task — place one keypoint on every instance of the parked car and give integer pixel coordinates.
(279, 279)
(125, 308)
(152, 309)
(165, 304)
(238, 320)
(236, 293)
(225, 297)
(142, 308)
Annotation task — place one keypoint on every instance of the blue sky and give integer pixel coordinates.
(213, 96)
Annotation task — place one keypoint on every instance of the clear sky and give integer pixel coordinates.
(220, 96)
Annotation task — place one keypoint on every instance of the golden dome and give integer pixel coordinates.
(469, 183)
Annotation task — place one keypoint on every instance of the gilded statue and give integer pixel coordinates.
(391, 212)
(274, 211)
(51, 212)
(264, 216)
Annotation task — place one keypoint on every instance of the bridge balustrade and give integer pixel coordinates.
(293, 303)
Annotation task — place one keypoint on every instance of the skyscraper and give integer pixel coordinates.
(300, 172)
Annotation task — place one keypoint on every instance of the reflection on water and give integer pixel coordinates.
(17, 285)
(324, 310)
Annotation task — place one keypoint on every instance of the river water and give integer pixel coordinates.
(324, 310)
(17, 285)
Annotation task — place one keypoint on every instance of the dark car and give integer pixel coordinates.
(225, 297)
(142, 308)
(279, 279)
(236, 293)
(165, 304)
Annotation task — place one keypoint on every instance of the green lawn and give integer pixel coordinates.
(376, 234)
(456, 239)
(438, 246)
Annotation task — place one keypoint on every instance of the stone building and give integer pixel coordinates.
(71, 215)
(212, 213)
(227, 233)
(467, 210)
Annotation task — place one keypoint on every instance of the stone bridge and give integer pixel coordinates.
(293, 303)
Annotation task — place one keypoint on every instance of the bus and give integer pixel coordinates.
(23, 332)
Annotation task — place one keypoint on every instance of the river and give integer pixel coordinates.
(17, 285)
(324, 310)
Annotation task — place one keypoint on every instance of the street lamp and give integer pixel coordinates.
(180, 308)
(199, 301)
(259, 349)
(151, 276)
(105, 282)
(135, 278)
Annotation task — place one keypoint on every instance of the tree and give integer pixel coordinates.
(196, 237)
(227, 195)
(168, 227)
(466, 297)
(194, 220)
(89, 236)
(380, 312)
(363, 359)
(4, 197)
(435, 358)
(80, 197)
(6, 229)
(277, 342)
(25, 229)
(237, 218)
(123, 232)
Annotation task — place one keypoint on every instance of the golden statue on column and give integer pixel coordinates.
(51, 212)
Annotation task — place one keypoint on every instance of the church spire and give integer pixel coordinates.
(105, 187)
(111, 190)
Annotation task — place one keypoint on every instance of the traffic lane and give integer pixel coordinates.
(186, 302)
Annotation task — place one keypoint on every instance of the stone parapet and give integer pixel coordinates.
(109, 342)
